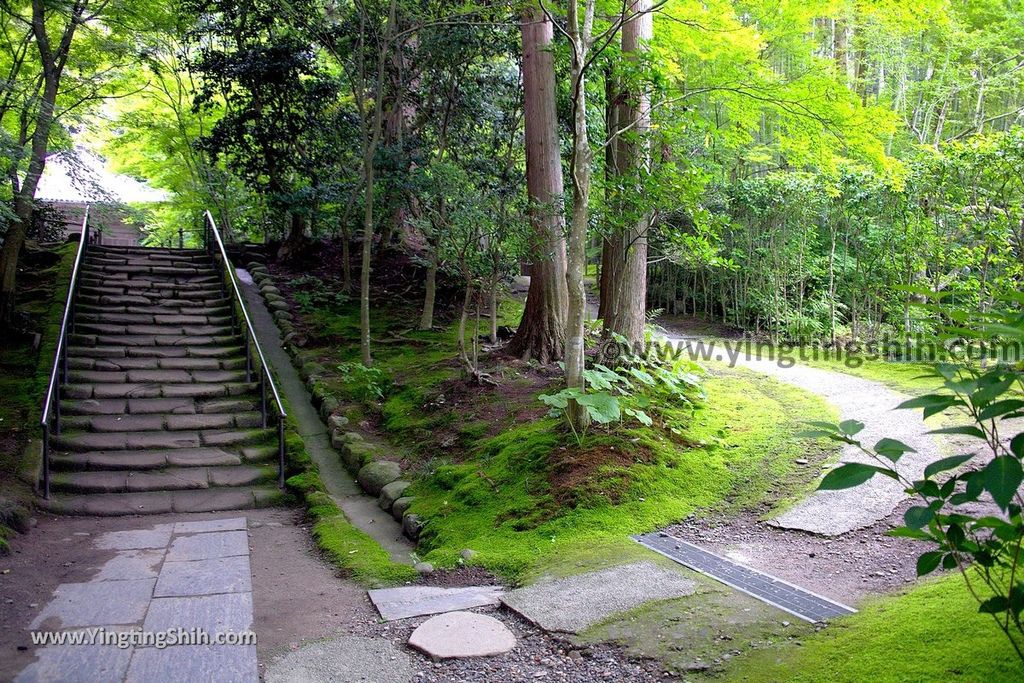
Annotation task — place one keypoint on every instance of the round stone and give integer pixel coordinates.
(462, 634)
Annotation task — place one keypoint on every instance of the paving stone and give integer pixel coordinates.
(239, 476)
(212, 613)
(229, 524)
(77, 664)
(209, 545)
(112, 504)
(204, 577)
(131, 564)
(91, 482)
(461, 635)
(127, 423)
(157, 537)
(169, 376)
(574, 603)
(201, 421)
(212, 500)
(194, 457)
(172, 406)
(100, 603)
(414, 601)
(349, 659)
(221, 663)
(228, 438)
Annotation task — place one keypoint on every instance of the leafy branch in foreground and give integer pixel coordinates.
(970, 505)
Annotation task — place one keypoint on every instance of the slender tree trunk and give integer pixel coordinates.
(541, 332)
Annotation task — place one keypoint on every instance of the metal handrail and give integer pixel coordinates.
(265, 378)
(59, 371)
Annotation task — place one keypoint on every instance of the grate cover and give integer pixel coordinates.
(776, 592)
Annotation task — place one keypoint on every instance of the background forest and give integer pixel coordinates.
(805, 165)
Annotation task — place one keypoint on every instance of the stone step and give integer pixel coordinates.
(100, 260)
(152, 406)
(222, 352)
(149, 252)
(105, 300)
(156, 459)
(158, 376)
(223, 310)
(162, 502)
(170, 479)
(117, 364)
(148, 269)
(152, 290)
(121, 441)
(89, 327)
(101, 279)
(160, 421)
(148, 390)
(109, 318)
(135, 340)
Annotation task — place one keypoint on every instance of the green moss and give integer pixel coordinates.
(502, 503)
(357, 553)
(932, 633)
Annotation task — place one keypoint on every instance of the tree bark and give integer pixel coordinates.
(628, 282)
(541, 332)
(427, 316)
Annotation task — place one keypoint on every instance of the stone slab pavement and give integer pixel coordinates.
(575, 603)
(155, 611)
(415, 601)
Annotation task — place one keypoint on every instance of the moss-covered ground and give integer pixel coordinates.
(494, 473)
(929, 634)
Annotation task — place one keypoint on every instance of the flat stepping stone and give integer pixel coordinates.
(416, 601)
(349, 659)
(460, 635)
(573, 604)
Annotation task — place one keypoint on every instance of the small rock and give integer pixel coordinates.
(801, 461)
(423, 567)
(468, 554)
(376, 475)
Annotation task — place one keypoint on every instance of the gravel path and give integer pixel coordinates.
(831, 513)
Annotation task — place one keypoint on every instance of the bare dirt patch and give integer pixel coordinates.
(598, 471)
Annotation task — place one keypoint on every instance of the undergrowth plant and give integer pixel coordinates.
(970, 519)
(628, 391)
(367, 384)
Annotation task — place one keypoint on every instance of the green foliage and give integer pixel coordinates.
(365, 384)
(312, 293)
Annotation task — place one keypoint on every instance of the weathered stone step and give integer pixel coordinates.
(117, 364)
(155, 459)
(160, 421)
(162, 502)
(89, 327)
(222, 310)
(155, 300)
(101, 260)
(148, 269)
(77, 339)
(101, 351)
(92, 279)
(152, 290)
(151, 406)
(171, 479)
(151, 252)
(122, 441)
(145, 390)
(110, 318)
(160, 376)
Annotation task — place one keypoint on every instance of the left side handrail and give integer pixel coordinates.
(59, 370)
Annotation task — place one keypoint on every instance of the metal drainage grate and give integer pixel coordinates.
(776, 592)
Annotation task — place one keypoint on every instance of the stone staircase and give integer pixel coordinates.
(157, 414)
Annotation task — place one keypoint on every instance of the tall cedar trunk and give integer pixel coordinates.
(577, 252)
(628, 282)
(607, 244)
(293, 244)
(541, 332)
(52, 62)
(427, 316)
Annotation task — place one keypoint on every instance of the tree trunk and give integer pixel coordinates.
(427, 317)
(541, 332)
(627, 314)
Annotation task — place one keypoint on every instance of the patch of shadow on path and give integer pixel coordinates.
(349, 659)
(361, 510)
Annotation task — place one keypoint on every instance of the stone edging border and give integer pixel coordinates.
(376, 475)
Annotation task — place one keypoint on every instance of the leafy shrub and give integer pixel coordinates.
(365, 384)
(312, 293)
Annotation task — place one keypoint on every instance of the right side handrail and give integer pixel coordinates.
(59, 371)
(265, 377)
